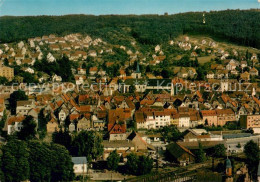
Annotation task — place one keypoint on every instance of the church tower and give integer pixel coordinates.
(137, 73)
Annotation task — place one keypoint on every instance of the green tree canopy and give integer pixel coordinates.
(28, 130)
(87, 143)
(251, 151)
(14, 97)
(113, 160)
(15, 165)
(200, 154)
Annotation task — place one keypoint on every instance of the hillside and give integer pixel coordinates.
(241, 27)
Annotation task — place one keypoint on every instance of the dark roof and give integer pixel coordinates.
(137, 68)
(177, 150)
(238, 135)
(159, 82)
(79, 160)
(228, 163)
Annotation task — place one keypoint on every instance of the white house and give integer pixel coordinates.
(56, 78)
(24, 106)
(14, 124)
(153, 120)
(79, 165)
(50, 58)
(29, 70)
(184, 121)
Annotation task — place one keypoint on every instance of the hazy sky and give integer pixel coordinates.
(97, 7)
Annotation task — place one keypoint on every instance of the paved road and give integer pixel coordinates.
(232, 143)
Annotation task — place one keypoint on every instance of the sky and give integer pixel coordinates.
(101, 7)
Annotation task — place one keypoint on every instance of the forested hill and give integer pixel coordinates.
(237, 26)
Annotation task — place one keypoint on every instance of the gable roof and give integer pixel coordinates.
(177, 150)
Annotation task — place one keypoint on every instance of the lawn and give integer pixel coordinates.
(205, 59)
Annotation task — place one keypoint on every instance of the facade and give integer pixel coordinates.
(14, 124)
(184, 121)
(79, 165)
(250, 121)
(152, 120)
(210, 117)
(7, 72)
(23, 107)
(225, 115)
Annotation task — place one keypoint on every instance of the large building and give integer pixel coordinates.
(250, 121)
(7, 72)
(152, 120)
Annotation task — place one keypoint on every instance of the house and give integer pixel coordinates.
(232, 65)
(79, 165)
(140, 144)
(152, 120)
(52, 125)
(210, 75)
(184, 121)
(250, 121)
(14, 124)
(92, 53)
(7, 72)
(116, 125)
(28, 69)
(80, 79)
(179, 154)
(82, 71)
(253, 72)
(225, 115)
(98, 123)
(245, 76)
(84, 124)
(62, 115)
(123, 147)
(54, 47)
(23, 107)
(56, 78)
(209, 117)
(243, 64)
(93, 70)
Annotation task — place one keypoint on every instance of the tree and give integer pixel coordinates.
(2, 122)
(14, 97)
(132, 164)
(238, 145)
(89, 144)
(3, 80)
(42, 122)
(200, 154)
(251, 151)
(62, 166)
(138, 165)
(62, 138)
(28, 130)
(65, 69)
(15, 164)
(165, 73)
(170, 133)
(219, 150)
(113, 160)
(145, 165)
(40, 159)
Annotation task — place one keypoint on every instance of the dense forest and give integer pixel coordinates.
(237, 26)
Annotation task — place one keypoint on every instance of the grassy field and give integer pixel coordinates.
(205, 59)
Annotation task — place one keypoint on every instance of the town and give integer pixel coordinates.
(187, 109)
